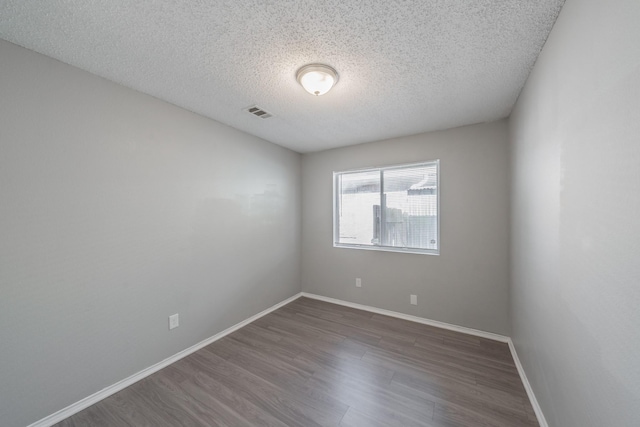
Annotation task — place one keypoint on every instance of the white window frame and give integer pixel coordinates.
(336, 204)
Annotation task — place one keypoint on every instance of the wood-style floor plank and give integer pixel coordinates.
(312, 363)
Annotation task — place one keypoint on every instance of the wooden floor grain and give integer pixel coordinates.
(312, 363)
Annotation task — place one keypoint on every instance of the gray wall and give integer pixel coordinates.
(575, 298)
(467, 284)
(117, 210)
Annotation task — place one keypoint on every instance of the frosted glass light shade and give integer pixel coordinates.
(317, 79)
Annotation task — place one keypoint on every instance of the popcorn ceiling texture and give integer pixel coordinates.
(405, 67)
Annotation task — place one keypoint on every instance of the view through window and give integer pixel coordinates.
(392, 208)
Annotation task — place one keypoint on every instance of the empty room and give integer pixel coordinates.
(320, 213)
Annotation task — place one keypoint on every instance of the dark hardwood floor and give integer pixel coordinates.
(311, 363)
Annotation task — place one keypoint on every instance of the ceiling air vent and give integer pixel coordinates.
(258, 112)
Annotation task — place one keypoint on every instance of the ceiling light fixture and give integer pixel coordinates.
(317, 79)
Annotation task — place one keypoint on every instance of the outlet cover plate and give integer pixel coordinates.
(414, 299)
(174, 321)
(358, 282)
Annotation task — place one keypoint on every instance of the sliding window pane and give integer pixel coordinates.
(358, 208)
(410, 217)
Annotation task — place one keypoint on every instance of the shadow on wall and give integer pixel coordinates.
(612, 378)
(231, 226)
(232, 244)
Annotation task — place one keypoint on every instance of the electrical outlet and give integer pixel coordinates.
(174, 321)
(414, 299)
(358, 282)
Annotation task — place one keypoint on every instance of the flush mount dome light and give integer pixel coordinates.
(317, 79)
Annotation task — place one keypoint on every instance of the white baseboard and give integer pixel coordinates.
(489, 335)
(424, 321)
(120, 385)
(527, 386)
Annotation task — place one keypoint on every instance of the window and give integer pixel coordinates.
(392, 208)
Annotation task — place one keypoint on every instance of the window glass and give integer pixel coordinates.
(392, 208)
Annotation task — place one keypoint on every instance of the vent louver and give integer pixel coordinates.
(258, 112)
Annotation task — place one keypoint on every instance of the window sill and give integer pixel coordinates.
(388, 249)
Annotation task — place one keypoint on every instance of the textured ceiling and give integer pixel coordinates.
(405, 66)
